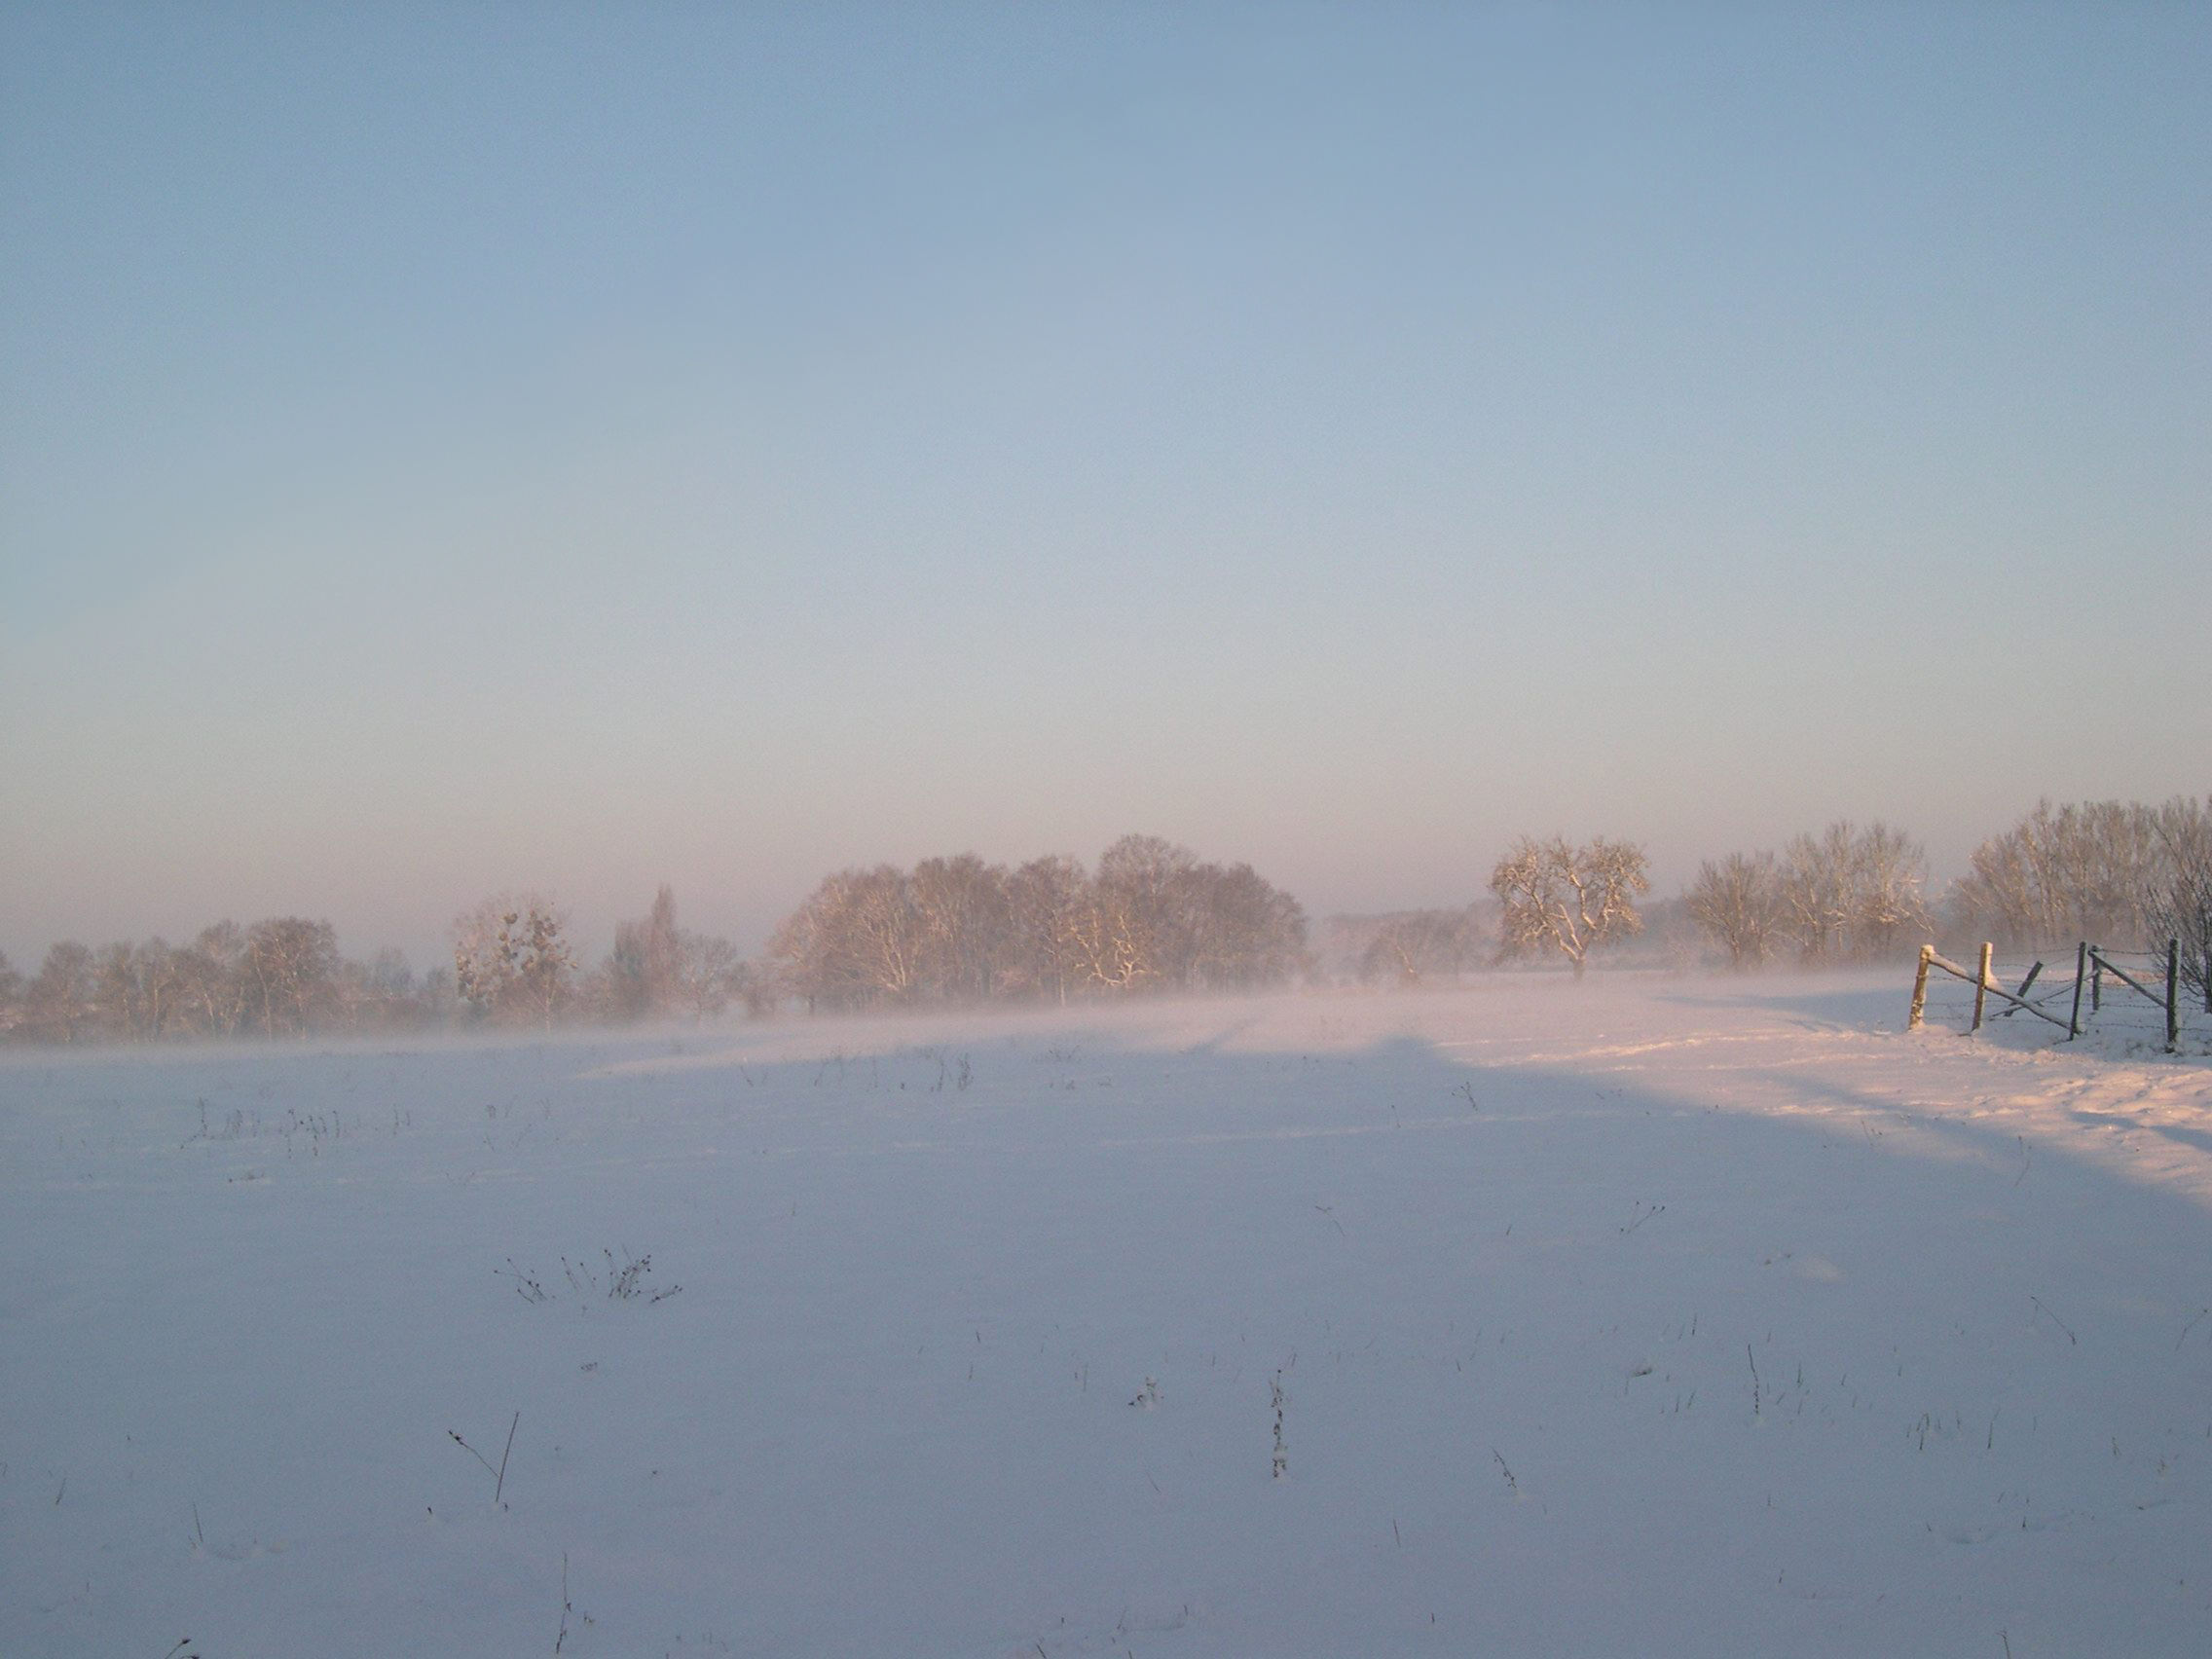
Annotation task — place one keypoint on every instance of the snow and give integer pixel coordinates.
(1653, 1315)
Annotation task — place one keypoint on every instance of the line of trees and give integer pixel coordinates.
(1152, 916)
(284, 977)
(2118, 873)
(1848, 894)
(513, 965)
(279, 977)
(1149, 918)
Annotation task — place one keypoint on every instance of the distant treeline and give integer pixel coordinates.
(2116, 873)
(952, 931)
(1149, 918)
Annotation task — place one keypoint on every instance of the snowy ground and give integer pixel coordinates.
(1648, 1316)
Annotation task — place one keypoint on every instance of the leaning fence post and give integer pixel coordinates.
(1920, 989)
(2173, 1009)
(1981, 984)
(2080, 972)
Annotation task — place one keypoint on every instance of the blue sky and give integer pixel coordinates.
(579, 448)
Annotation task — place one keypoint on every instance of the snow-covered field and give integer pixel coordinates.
(1653, 1316)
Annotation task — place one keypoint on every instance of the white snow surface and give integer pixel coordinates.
(1651, 1316)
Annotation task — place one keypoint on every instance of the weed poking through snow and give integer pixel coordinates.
(620, 1279)
(1277, 1397)
(499, 1474)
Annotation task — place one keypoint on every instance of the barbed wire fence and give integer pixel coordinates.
(2134, 993)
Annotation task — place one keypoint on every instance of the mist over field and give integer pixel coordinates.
(1104, 830)
(448, 453)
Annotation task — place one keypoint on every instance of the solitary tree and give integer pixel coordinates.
(1569, 898)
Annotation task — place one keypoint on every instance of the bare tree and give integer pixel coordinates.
(805, 950)
(1817, 893)
(1045, 901)
(292, 964)
(660, 949)
(886, 936)
(115, 1007)
(645, 972)
(1247, 933)
(709, 973)
(1738, 902)
(136, 989)
(10, 996)
(211, 994)
(59, 1003)
(1112, 947)
(967, 926)
(856, 942)
(2083, 870)
(2180, 907)
(1569, 898)
(379, 994)
(1411, 947)
(512, 958)
(1144, 920)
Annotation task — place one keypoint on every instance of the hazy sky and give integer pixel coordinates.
(582, 447)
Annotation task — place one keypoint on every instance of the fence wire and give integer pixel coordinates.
(2109, 1006)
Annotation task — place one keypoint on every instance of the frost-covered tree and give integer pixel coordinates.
(1853, 894)
(1556, 896)
(2083, 871)
(1817, 893)
(512, 958)
(1153, 916)
(1889, 910)
(802, 952)
(856, 942)
(10, 996)
(1737, 903)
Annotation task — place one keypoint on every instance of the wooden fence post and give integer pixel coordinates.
(2080, 972)
(2173, 1008)
(1981, 984)
(2097, 981)
(1920, 989)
